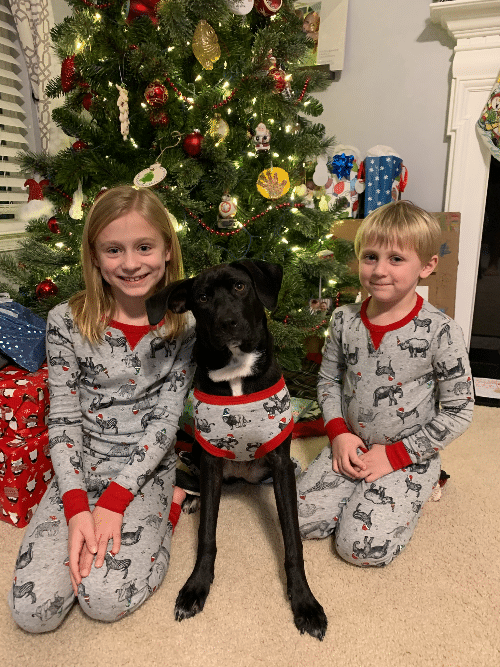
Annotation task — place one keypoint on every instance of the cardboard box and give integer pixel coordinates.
(440, 287)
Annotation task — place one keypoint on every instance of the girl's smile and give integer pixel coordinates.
(131, 255)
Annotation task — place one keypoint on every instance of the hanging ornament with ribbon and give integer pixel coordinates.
(206, 45)
(123, 109)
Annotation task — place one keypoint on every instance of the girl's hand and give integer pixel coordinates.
(108, 526)
(345, 456)
(376, 463)
(81, 539)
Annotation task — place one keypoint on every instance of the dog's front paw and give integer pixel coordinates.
(190, 601)
(309, 617)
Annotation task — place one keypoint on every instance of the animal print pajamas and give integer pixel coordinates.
(407, 386)
(114, 414)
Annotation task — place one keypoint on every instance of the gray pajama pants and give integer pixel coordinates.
(372, 522)
(42, 595)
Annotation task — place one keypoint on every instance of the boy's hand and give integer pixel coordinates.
(345, 456)
(81, 540)
(376, 463)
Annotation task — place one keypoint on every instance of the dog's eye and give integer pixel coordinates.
(239, 286)
(202, 298)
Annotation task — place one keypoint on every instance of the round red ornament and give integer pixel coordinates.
(192, 143)
(46, 288)
(267, 7)
(142, 8)
(53, 226)
(156, 94)
(68, 73)
(79, 145)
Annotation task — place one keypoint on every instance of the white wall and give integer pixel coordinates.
(394, 91)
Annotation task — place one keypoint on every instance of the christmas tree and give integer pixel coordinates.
(207, 103)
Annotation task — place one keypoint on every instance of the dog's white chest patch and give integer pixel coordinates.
(240, 366)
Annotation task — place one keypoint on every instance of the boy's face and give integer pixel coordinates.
(391, 273)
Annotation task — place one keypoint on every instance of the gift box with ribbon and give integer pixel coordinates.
(25, 466)
(344, 183)
(22, 334)
(385, 177)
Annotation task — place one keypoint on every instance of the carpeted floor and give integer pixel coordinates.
(436, 605)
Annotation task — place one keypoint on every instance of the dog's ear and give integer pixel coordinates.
(266, 278)
(173, 297)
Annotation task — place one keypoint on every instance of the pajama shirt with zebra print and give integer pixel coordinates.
(407, 386)
(114, 414)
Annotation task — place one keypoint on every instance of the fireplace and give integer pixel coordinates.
(475, 25)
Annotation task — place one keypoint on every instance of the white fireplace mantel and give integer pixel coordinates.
(475, 25)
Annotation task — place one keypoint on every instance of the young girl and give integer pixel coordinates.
(102, 530)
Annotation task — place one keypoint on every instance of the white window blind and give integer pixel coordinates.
(16, 119)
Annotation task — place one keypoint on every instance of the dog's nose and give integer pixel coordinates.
(228, 324)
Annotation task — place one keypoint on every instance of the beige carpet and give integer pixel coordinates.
(437, 605)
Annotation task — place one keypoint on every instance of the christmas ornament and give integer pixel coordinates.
(227, 212)
(139, 8)
(53, 226)
(281, 84)
(205, 45)
(156, 94)
(267, 7)
(45, 289)
(192, 143)
(218, 128)
(300, 190)
(122, 103)
(150, 176)
(262, 138)
(321, 174)
(37, 206)
(68, 73)
(87, 100)
(76, 210)
(79, 145)
(159, 119)
(273, 183)
(240, 7)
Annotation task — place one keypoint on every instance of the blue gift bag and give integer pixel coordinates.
(22, 335)
(380, 174)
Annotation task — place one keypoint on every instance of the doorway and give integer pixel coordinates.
(485, 338)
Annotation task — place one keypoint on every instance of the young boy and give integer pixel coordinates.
(395, 387)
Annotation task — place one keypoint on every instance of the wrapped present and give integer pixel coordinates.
(25, 402)
(345, 183)
(25, 471)
(385, 177)
(22, 334)
(488, 125)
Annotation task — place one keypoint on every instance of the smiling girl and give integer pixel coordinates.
(102, 531)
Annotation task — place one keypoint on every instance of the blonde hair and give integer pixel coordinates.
(400, 223)
(93, 307)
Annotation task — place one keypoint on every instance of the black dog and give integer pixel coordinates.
(234, 356)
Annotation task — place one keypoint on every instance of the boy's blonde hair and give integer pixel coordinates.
(93, 308)
(400, 223)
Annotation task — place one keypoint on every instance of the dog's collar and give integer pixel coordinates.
(213, 399)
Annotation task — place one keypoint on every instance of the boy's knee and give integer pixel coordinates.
(368, 553)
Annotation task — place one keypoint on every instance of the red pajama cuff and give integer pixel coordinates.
(397, 455)
(336, 427)
(74, 502)
(115, 498)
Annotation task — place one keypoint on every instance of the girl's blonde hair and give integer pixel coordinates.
(93, 308)
(400, 223)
